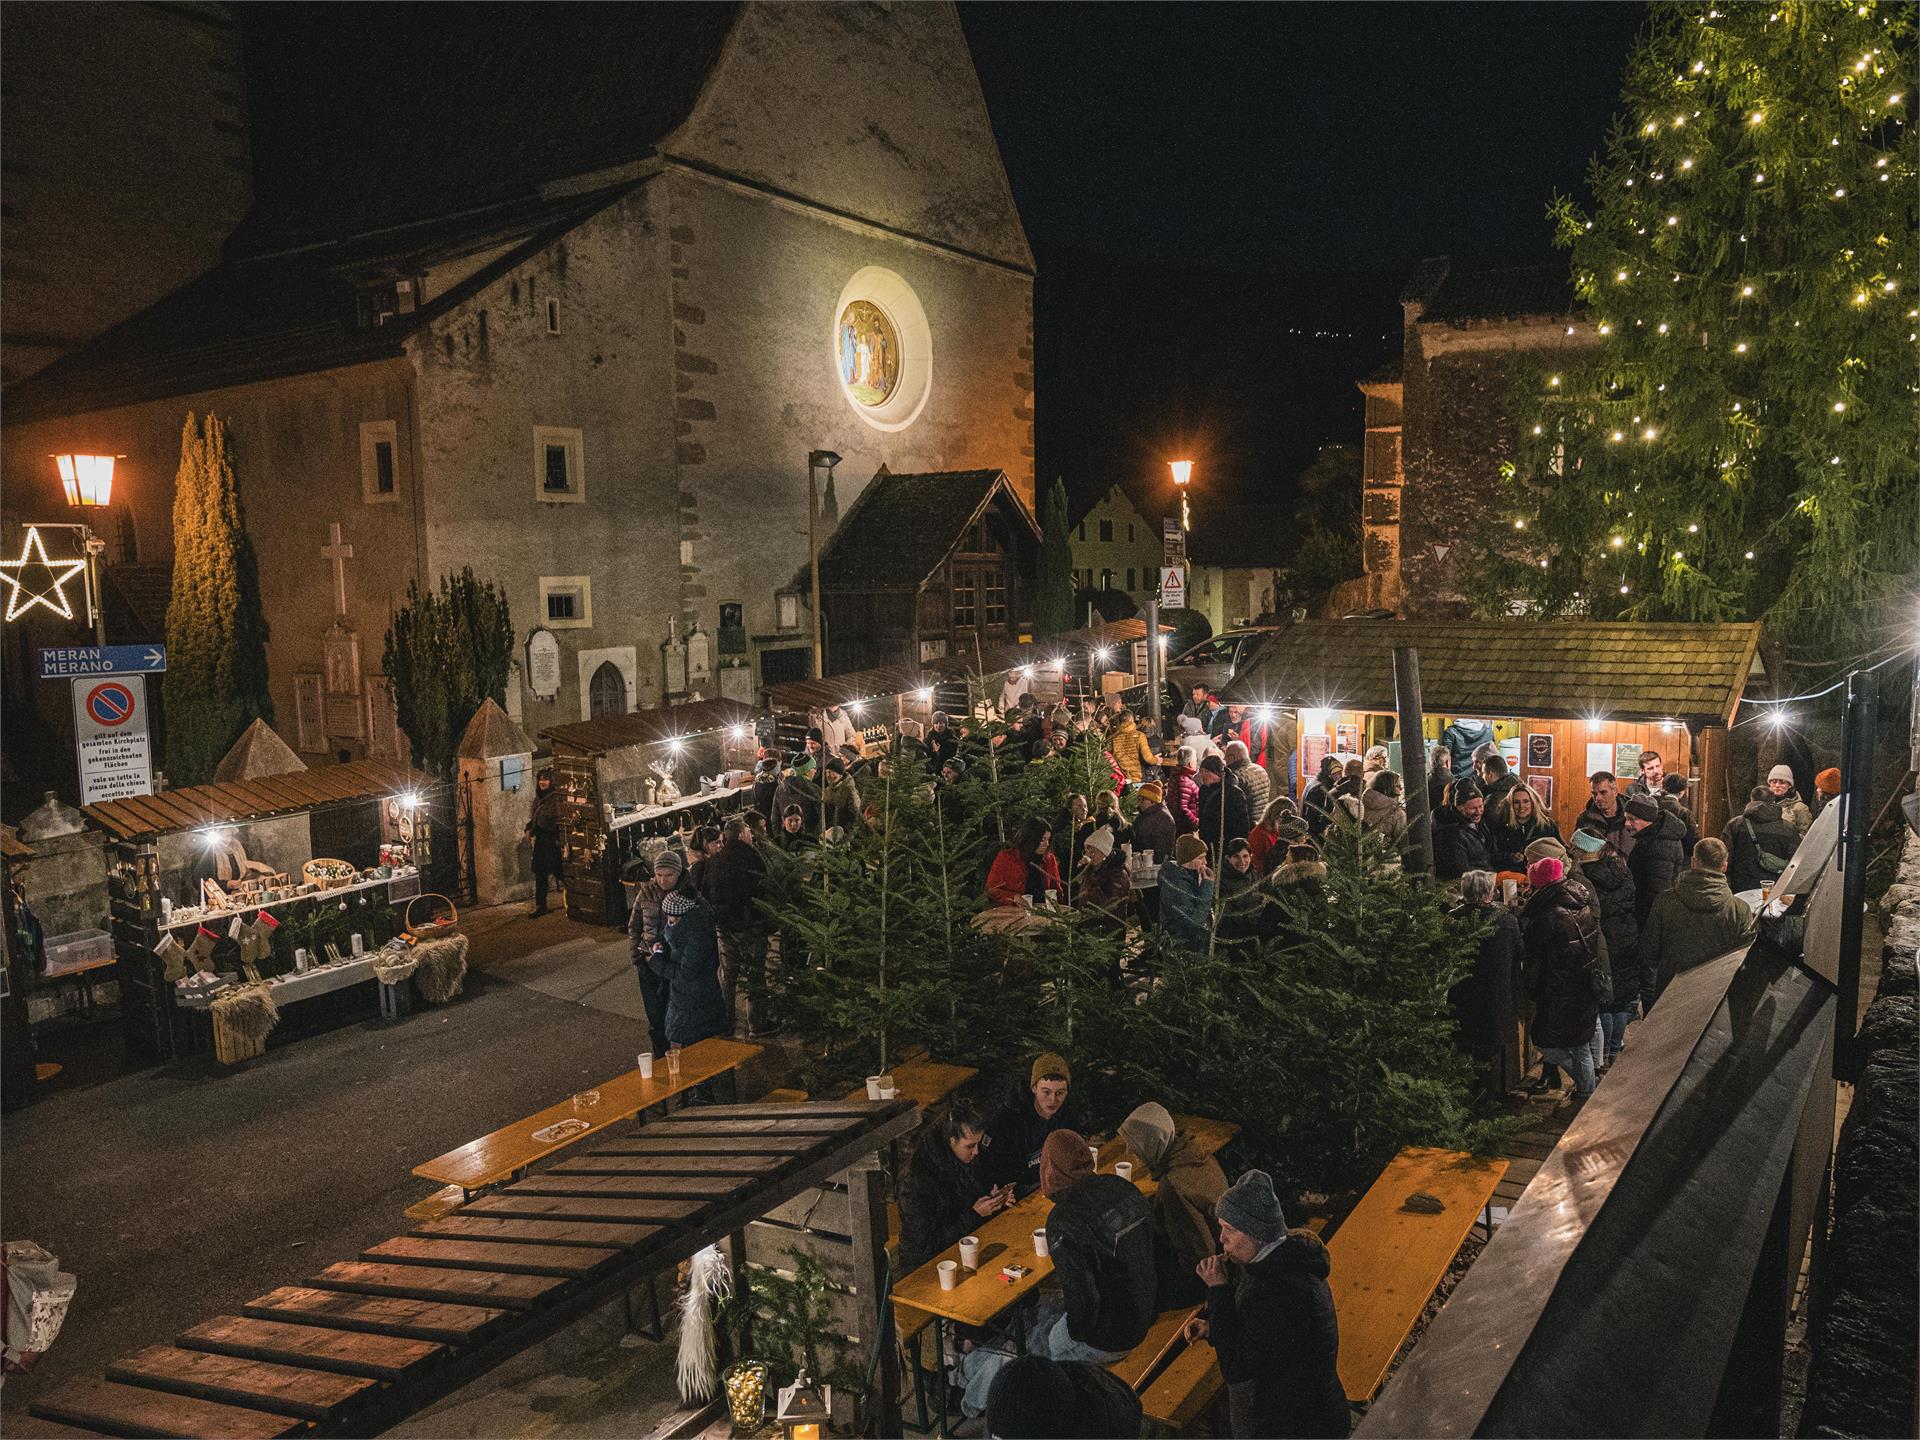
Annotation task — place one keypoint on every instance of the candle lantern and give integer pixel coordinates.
(804, 1408)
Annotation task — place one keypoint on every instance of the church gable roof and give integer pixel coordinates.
(903, 527)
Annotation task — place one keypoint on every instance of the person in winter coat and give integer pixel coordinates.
(1496, 783)
(1241, 898)
(839, 798)
(1651, 781)
(543, 834)
(1380, 809)
(730, 883)
(1439, 777)
(1485, 1005)
(1462, 738)
(1183, 790)
(1020, 1128)
(1372, 763)
(1131, 750)
(1222, 804)
(687, 957)
(1026, 869)
(1793, 809)
(1673, 800)
(941, 743)
(1188, 1182)
(1154, 834)
(1275, 1331)
(837, 729)
(1698, 920)
(1461, 841)
(1606, 811)
(1302, 872)
(643, 933)
(1253, 779)
(1034, 1398)
(1659, 852)
(1186, 894)
(1517, 821)
(1610, 880)
(1103, 884)
(1826, 788)
(766, 784)
(1759, 843)
(943, 1195)
(1564, 963)
(797, 787)
(1267, 840)
(1317, 804)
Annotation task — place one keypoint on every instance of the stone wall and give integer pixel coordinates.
(66, 882)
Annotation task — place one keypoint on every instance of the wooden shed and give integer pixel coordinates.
(1564, 698)
(927, 566)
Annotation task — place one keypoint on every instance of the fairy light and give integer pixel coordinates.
(1687, 163)
(1623, 589)
(1749, 554)
(1519, 524)
(1741, 348)
(1839, 407)
(1693, 529)
(1756, 117)
(1618, 541)
(1606, 329)
(1746, 290)
(1673, 219)
(1649, 433)
(1554, 381)
(1662, 327)
(1618, 435)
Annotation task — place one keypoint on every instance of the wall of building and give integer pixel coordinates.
(127, 164)
(1231, 596)
(1137, 549)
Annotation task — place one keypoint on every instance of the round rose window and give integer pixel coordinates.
(882, 349)
(869, 353)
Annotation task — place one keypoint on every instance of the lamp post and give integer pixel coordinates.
(88, 483)
(1182, 475)
(817, 461)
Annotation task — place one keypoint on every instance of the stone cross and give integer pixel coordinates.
(339, 554)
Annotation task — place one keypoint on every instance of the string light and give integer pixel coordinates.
(1693, 529)
(1839, 407)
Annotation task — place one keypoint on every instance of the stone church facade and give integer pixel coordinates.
(597, 385)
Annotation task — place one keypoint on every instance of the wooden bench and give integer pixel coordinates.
(510, 1150)
(1140, 1364)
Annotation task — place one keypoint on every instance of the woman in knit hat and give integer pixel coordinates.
(1793, 809)
(1273, 1327)
(1826, 786)
(1153, 823)
(1189, 1182)
(1566, 964)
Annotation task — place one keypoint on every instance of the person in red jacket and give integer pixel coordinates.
(1183, 792)
(1025, 868)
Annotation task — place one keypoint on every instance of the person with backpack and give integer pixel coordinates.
(1565, 962)
(1759, 842)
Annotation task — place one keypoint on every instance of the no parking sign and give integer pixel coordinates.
(110, 733)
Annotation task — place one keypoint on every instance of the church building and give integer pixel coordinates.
(573, 306)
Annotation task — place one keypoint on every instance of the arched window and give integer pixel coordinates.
(607, 692)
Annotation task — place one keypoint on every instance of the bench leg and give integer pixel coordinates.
(654, 1329)
(940, 1371)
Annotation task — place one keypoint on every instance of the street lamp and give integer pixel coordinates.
(88, 483)
(1182, 474)
(817, 460)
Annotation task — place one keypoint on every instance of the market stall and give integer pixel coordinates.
(627, 779)
(288, 882)
(1561, 700)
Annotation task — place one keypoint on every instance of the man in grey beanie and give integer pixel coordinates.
(1275, 1330)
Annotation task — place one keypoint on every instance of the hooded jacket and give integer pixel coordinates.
(1611, 882)
(936, 1200)
(1382, 813)
(1484, 1003)
(1758, 828)
(1239, 814)
(1186, 905)
(688, 959)
(1278, 1340)
(1153, 829)
(1100, 1236)
(1459, 845)
(1182, 1206)
(1130, 750)
(1462, 738)
(1698, 919)
(1794, 811)
(1564, 960)
(1659, 855)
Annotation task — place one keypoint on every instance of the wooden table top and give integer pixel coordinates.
(925, 1082)
(1387, 1259)
(512, 1148)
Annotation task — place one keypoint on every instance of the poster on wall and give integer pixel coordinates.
(1510, 752)
(1347, 739)
(1599, 757)
(1540, 750)
(1626, 758)
(1313, 749)
(1542, 787)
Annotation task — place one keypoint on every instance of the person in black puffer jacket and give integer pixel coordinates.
(1461, 841)
(1760, 842)
(1564, 959)
(1658, 855)
(943, 1195)
(1611, 881)
(1039, 1399)
(1486, 1003)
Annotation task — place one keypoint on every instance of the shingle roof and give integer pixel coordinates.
(200, 805)
(645, 727)
(1558, 670)
(1501, 295)
(1387, 373)
(903, 526)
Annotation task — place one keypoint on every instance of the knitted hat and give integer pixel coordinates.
(1781, 772)
(1546, 847)
(836, 766)
(1064, 1161)
(1588, 842)
(1188, 848)
(1465, 790)
(814, 732)
(1214, 765)
(1640, 807)
(1827, 782)
(670, 860)
(1544, 872)
(679, 902)
(1251, 1207)
(1099, 844)
(955, 764)
(1150, 793)
(1033, 1397)
(804, 764)
(1049, 1067)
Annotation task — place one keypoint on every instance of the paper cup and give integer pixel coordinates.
(1124, 1169)
(646, 1064)
(970, 1252)
(886, 1092)
(949, 1274)
(873, 1086)
(1093, 1152)
(1040, 1243)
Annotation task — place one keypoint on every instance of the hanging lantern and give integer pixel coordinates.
(804, 1408)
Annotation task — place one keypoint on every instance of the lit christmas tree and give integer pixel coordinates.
(1740, 439)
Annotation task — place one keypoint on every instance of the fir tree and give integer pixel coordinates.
(447, 651)
(1738, 441)
(1053, 592)
(216, 681)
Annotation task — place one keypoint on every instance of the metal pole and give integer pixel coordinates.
(1153, 666)
(1856, 791)
(96, 566)
(1413, 759)
(813, 562)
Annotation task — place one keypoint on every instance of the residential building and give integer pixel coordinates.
(1116, 547)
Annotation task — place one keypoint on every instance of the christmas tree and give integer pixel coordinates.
(216, 683)
(446, 652)
(1738, 440)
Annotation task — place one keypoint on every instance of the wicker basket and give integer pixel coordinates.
(314, 872)
(431, 917)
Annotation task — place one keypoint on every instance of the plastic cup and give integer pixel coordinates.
(673, 1062)
(949, 1274)
(873, 1086)
(1124, 1169)
(646, 1064)
(886, 1092)
(1093, 1153)
(970, 1251)
(1040, 1242)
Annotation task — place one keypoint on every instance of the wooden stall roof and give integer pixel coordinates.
(645, 727)
(1566, 670)
(12, 847)
(194, 806)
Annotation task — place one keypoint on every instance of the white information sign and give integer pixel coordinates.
(1173, 543)
(543, 664)
(110, 734)
(1173, 587)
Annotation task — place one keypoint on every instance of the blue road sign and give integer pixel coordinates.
(73, 661)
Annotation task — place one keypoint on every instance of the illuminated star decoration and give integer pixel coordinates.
(20, 598)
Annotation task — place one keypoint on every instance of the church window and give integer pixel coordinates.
(1130, 578)
(1130, 532)
(379, 462)
(1106, 532)
(869, 353)
(553, 317)
(559, 464)
(607, 692)
(881, 349)
(787, 608)
(567, 601)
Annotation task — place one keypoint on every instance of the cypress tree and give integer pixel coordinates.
(1053, 594)
(216, 682)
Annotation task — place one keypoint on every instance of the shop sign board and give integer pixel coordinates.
(111, 737)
